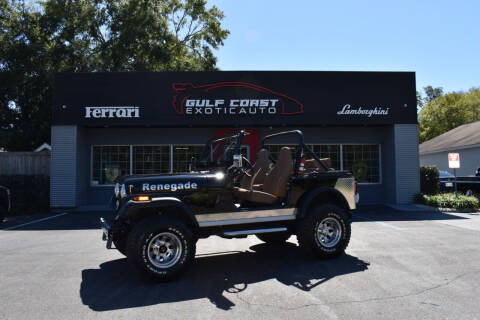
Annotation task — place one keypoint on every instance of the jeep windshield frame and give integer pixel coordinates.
(219, 151)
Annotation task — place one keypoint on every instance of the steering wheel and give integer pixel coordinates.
(248, 164)
(246, 169)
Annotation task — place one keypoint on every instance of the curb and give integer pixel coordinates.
(458, 210)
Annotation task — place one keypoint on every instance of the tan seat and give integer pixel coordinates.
(276, 181)
(275, 186)
(261, 167)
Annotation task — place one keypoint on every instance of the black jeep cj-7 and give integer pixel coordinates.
(160, 217)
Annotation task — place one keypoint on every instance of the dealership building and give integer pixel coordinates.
(111, 124)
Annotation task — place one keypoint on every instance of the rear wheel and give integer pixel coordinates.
(274, 237)
(160, 248)
(324, 232)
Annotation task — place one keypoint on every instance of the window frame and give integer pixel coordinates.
(171, 146)
(380, 167)
(340, 151)
(181, 145)
(340, 155)
(170, 162)
(91, 162)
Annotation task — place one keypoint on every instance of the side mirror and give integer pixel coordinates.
(237, 160)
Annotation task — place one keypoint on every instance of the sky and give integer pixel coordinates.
(439, 40)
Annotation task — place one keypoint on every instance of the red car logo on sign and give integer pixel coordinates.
(231, 98)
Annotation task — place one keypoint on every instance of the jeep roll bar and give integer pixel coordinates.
(300, 142)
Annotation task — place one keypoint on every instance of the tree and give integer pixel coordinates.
(447, 112)
(42, 38)
(431, 93)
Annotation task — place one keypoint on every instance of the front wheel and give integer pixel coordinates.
(324, 232)
(160, 248)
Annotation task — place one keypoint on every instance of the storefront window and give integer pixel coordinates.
(363, 161)
(331, 151)
(182, 156)
(151, 159)
(322, 151)
(110, 162)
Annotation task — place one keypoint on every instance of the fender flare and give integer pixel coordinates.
(307, 198)
(133, 210)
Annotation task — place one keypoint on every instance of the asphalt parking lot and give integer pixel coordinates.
(401, 265)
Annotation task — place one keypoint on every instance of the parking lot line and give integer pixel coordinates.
(35, 221)
(380, 222)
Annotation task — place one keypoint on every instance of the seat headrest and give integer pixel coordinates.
(285, 155)
(263, 154)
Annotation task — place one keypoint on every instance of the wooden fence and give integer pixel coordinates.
(25, 163)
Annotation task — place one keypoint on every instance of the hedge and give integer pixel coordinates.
(29, 193)
(429, 179)
(449, 200)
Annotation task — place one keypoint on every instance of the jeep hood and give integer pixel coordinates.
(160, 183)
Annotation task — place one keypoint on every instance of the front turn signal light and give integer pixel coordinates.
(142, 198)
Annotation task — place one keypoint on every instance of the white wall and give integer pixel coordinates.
(407, 164)
(469, 161)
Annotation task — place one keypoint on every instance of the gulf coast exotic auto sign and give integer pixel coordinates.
(234, 98)
(216, 98)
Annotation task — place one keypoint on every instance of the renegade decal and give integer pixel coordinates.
(220, 99)
(169, 187)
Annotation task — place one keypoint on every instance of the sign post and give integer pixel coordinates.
(454, 163)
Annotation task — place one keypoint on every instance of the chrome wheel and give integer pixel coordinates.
(164, 250)
(329, 232)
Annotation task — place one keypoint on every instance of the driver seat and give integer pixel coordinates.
(275, 186)
(259, 169)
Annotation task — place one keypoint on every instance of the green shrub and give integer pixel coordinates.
(29, 194)
(449, 200)
(429, 179)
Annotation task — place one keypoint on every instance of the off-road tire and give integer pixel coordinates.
(274, 237)
(307, 235)
(146, 231)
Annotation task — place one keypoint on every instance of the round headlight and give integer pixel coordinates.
(123, 191)
(116, 190)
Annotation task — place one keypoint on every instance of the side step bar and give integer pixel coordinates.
(244, 217)
(247, 232)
